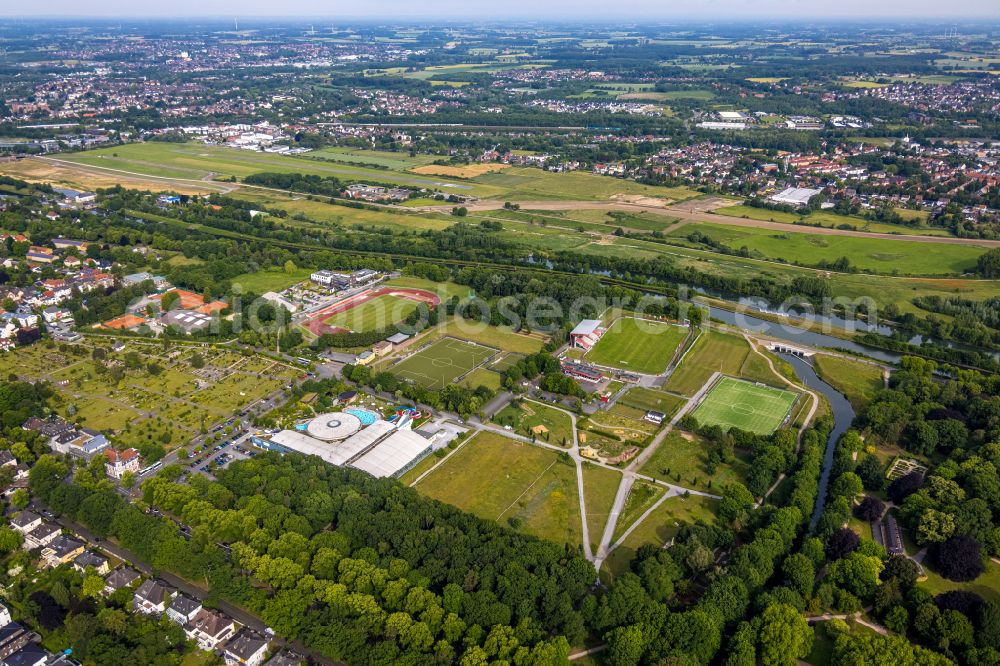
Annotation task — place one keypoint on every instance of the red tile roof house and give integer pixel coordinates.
(119, 462)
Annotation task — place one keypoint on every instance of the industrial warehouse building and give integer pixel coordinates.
(382, 448)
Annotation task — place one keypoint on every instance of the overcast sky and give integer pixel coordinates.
(718, 10)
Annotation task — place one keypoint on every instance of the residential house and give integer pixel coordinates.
(182, 609)
(62, 550)
(152, 597)
(119, 462)
(13, 637)
(53, 314)
(285, 658)
(51, 427)
(210, 628)
(4, 616)
(120, 578)
(25, 521)
(68, 243)
(247, 648)
(41, 536)
(40, 255)
(93, 560)
(32, 654)
(84, 443)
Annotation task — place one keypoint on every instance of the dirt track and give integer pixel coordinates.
(687, 217)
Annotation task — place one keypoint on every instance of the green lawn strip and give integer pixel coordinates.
(648, 399)
(642, 496)
(264, 281)
(658, 528)
(600, 485)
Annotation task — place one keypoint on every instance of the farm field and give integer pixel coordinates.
(459, 170)
(512, 483)
(682, 458)
(877, 255)
(530, 418)
(858, 381)
(441, 363)
(734, 403)
(378, 313)
(712, 352)
(638, 345)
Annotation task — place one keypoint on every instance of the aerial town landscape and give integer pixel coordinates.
(516, 342)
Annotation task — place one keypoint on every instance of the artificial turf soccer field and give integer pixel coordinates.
(733, 403)
(441, 363)
(638, 345)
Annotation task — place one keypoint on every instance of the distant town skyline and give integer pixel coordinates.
(716, 10)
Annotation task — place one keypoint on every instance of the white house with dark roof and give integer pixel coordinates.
(248, 648)
(182, 609)
(152, 597)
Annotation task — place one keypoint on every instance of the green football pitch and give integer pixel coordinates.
(638, 345)
(733, 403)
(443, 362)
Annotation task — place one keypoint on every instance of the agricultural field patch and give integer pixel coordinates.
(459, 171)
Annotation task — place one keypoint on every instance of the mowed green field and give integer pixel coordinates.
(526, 184)
(711, 352)
(873, 254)
(639, 345)
(733, 403)
(377, 313)
(441, 363)
(498, 479)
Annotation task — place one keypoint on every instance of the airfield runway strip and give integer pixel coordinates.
(487, 205)
(685, 216)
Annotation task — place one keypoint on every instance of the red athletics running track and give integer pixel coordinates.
(314, 324)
